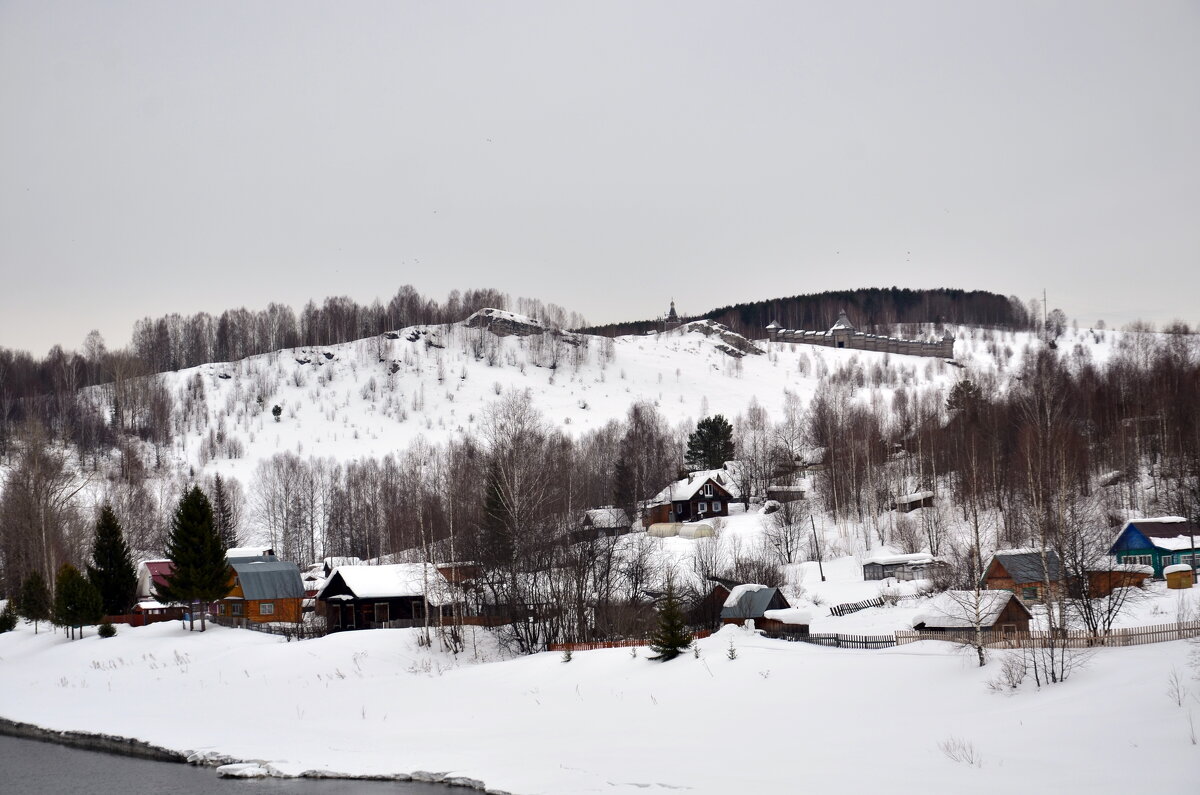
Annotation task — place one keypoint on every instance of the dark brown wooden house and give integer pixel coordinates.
(701, 495)
(378, 597)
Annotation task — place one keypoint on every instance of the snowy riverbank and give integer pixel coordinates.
(375, 703)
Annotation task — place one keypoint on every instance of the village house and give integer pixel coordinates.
(955, 611)
(152, 575)
(263, 590)
(1158, 543)
(1021, 571)
(377, 597)
(701, 495)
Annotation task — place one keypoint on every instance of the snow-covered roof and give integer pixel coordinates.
(684, 489)
(790, 615)
(888, 558)
(842, 322)
(345, 560)
(1178, 567)
(916, 496)
(735, 595)
(1171, 533)
(248, 552)
(607, 517)
(961, 609)
(396, 579)
(748, 601)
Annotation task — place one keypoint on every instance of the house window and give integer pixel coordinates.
(716, 507)
(1141, 560)
(702, 507)
(381, 612)
(266, 609)
(236, 608)
(221, 608)
(707, 491)
(1029, 594)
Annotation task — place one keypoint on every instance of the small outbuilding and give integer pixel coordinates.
(751, 601)
(911, 502)
(1179, 576)
(954, 611)
(883, 564)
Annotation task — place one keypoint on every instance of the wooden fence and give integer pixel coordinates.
(837, 640)
(289, 631)
(612, 644)
(854, 607)
(1073, 639)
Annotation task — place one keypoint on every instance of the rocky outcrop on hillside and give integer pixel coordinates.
(730, 342)
(510, 324)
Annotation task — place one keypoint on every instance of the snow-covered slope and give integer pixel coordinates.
(375, 396)
(921, 717)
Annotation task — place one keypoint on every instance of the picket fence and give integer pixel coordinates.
(1072, 639)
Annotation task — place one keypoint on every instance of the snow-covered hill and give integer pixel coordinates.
(376, 396)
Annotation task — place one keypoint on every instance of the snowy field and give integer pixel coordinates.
(779, 717)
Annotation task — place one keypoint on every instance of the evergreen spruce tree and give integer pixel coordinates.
(76, 601)
(34, 604)
(672, 637)
(711, 444)
(496, 538)
(200, 573)
(113, 574)
(223, 517)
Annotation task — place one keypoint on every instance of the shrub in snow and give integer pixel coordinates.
(107, 630)
(731, 652)
(277, 412)
(8, 618)
(566, 655)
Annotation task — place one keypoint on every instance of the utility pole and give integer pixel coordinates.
(817, 544)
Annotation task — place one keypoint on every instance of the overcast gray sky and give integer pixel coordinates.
(177, 157)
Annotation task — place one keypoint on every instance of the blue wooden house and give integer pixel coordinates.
(1159, 542)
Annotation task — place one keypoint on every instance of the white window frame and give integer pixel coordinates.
(702, 507)
(707, 490)
(716, 506)
(266, 608)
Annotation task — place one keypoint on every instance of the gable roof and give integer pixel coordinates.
(959, 609)
(750, 601)
(1025, 565)
(606, 518)
(391, 581)
(269, 579)
(684, 489)
(1171, 533)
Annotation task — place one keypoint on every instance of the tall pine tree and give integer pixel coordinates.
(113, 574)
(672, 637)
(711, 444)
(200, 573)
(35, 604)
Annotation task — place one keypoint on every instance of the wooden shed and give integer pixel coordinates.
(954, 611)
(1023, 572)
(751, 601)
(1179, 576)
